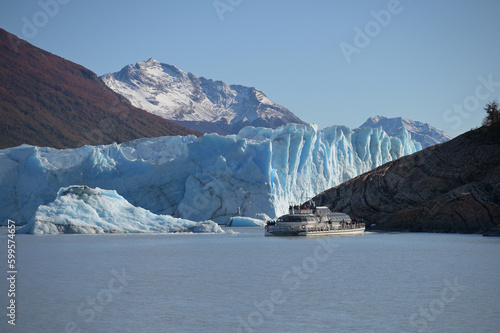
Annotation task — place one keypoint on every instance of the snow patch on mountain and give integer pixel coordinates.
(196, 102)
(421, 132)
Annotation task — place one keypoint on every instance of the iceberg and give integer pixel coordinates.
(255, 173)
(241, 221)
(84, 210)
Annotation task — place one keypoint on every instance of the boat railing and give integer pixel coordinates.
(301, 210)
(342, 226)
(353, 225)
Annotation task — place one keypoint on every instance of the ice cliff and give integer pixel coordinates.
(256, 173)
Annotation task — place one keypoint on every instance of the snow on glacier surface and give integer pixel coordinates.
(81, 209)
(256, 173)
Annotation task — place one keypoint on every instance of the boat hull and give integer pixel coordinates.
(340, 232)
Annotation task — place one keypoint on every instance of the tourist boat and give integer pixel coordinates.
(311, 220)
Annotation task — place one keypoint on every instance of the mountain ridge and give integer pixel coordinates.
(196, 102)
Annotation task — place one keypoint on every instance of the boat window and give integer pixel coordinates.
(288, 218)
(339, 217)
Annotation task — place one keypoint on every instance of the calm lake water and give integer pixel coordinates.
(250, 283)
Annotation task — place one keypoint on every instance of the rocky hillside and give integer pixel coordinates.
(450, 187)
(195, 102)
(46, 100)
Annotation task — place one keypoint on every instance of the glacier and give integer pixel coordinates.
(85, 210)
(256, 173)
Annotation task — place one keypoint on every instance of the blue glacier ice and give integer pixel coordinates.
(256, 173)
(84, 210)
(242, 221)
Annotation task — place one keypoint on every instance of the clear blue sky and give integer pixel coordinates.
(329, 62)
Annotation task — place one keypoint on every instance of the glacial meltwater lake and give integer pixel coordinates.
(379, 282)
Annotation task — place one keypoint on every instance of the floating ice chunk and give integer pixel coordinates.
(81, 209)
(241, 221)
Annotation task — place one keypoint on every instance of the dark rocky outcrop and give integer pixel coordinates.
(450, 187)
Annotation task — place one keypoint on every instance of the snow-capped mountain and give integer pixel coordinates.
(196, 102)
(420, 132)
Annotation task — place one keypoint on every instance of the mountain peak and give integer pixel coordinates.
(424, 133)
(152, 60)
(373, 120)
(196, 102)
(150, 63)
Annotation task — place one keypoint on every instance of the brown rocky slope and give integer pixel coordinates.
(46, 100)
(450, 187)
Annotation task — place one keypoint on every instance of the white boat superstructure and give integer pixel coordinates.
(312, 220)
